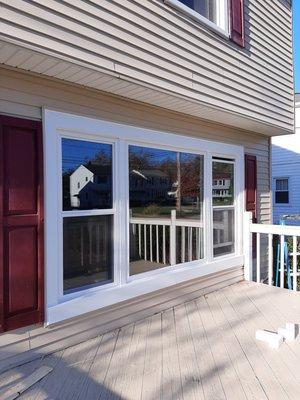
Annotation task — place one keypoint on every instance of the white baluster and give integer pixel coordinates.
(270, 260)
(258, 257)
(295, 263)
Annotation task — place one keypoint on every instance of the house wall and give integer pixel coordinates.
(24, 95)
(286, 164)
(155, 46)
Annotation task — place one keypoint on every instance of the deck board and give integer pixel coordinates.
(203, 349)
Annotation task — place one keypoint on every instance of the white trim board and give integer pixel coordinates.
(57, 125)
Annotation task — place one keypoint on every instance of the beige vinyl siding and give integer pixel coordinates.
(151, 44)
(25, 94)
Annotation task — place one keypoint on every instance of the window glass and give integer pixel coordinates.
(282, 191)
(223, 207)
(86, 175)
(207, 8)
(165, 200)
(222, 183)
(87, 248)
(223, 232)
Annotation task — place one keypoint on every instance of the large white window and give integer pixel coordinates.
(126, 216)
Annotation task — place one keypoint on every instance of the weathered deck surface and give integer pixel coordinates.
(204, 349)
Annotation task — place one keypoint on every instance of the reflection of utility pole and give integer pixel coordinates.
(178, 199)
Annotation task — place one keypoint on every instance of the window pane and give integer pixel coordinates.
(207, 8)
(281, 184)
(87, 175)
(223, 232)
(281, 197)
(223, 183)
(87, 248)
(161, 181)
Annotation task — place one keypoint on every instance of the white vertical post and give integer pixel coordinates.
(247, 244)
(173, 238)
(281, 261)
(183, 244)
(164, 244)
(270, 260)
(145, 242)
(151, 244)
(140, 240)
(157, 245)
(295, 263)
(258, 257)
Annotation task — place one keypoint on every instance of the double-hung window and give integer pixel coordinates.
(281, 191)
(130, 211)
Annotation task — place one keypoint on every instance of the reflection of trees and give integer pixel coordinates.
(185, 173)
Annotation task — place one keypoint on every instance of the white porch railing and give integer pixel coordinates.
(174, 240)
(254, 249)
(157, 239)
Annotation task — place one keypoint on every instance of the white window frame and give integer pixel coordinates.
(222, 26)
(289, 192)
(58, 124)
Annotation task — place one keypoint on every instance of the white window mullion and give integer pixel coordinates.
(208, 216)
(122, 231)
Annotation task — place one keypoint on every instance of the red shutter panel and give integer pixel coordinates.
(237, 22)
(251, 184)
(21, 223)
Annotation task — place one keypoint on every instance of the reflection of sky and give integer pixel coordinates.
(77, 152)
(157, 156)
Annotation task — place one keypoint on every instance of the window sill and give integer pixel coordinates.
(197, 17)
(103, 297)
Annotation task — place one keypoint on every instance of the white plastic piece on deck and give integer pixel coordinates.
(273, 339)
(289, 332)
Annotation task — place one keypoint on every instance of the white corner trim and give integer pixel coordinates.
(198, 17)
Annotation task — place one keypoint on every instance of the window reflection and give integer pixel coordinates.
(222, 183)
(88, 258)
(223, 207)
(87, 175)
(207, 8)
(164, 183)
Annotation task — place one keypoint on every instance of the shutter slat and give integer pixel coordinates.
(237, 22)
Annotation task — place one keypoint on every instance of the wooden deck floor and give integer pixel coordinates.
(204, 349)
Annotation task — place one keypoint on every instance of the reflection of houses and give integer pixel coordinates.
(221, 185)
(90, 186)
(148, 185)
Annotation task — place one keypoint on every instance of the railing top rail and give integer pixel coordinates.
(167, 222)
(275, 229)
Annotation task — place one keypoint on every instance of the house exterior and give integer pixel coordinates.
(172, 91)
(286, 172)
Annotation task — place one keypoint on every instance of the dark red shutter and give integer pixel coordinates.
(21, 223)
(251, 184)
(237, 21)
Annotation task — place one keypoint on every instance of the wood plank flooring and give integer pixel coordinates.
(203, 349)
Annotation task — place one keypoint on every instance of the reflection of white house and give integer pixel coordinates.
(90, 186)
(148, 185)
(221, 187)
